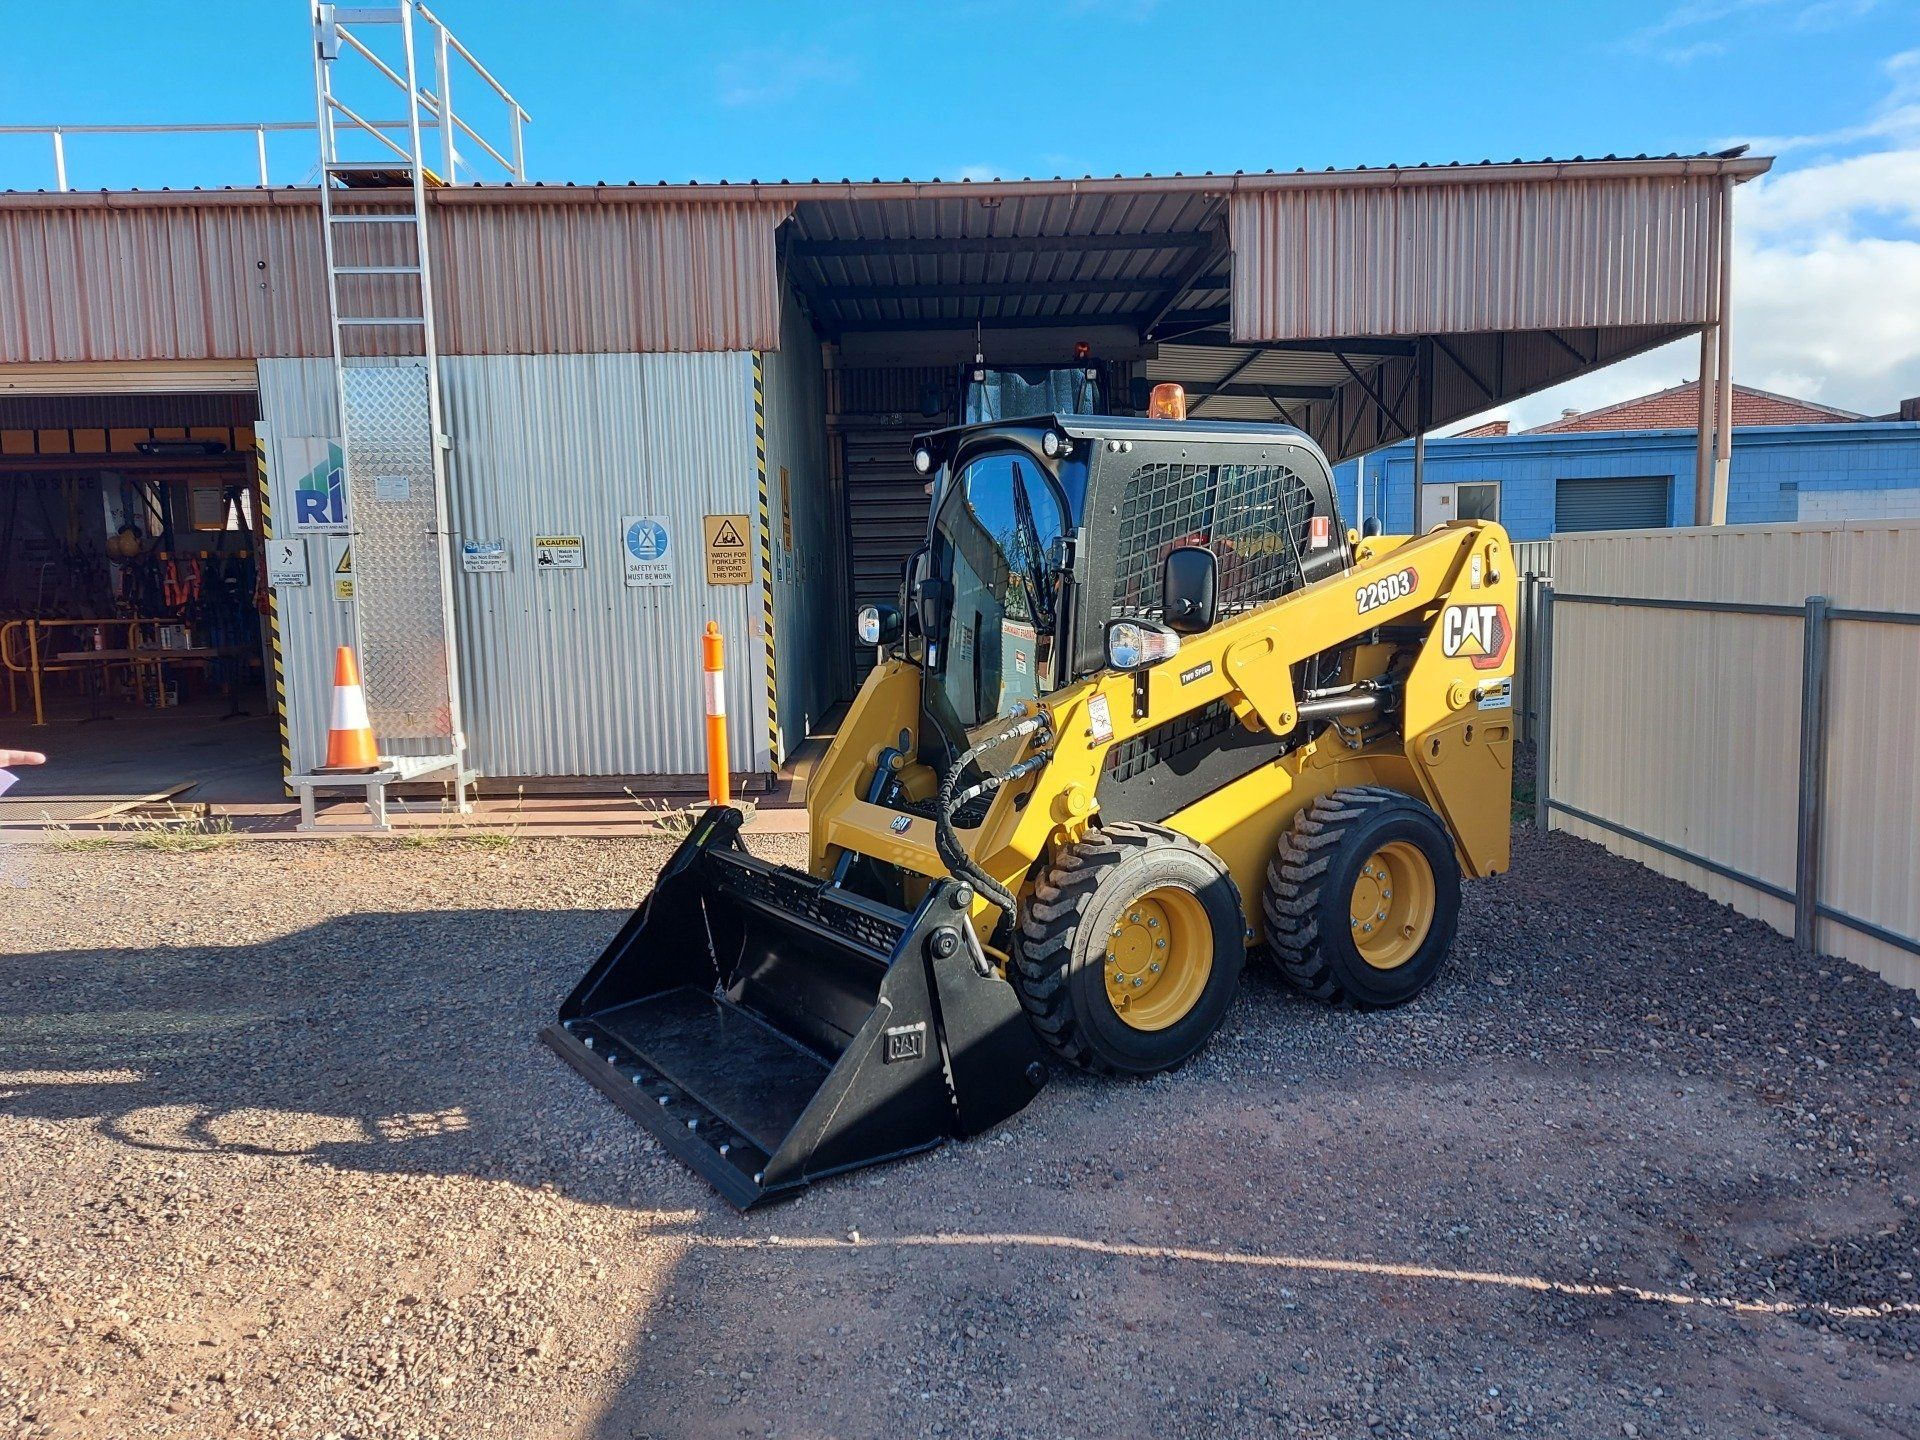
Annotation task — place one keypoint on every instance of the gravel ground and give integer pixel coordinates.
(280, 1155)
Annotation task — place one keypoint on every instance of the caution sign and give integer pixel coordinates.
(559, 552)
(729, 557)
(340, 563)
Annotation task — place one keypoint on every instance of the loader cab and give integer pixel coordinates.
(1044, 529)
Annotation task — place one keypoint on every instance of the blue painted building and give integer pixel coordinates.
(1589, 478)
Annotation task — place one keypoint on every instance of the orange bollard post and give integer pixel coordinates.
(712, 662)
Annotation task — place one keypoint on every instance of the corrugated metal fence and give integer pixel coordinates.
(1734, 707)
(1533, 561)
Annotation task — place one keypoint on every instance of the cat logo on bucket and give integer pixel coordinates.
(1481, 633)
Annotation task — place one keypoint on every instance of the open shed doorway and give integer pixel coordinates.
(133, 631)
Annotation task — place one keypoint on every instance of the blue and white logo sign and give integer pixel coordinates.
(647, 544)
(320, 489)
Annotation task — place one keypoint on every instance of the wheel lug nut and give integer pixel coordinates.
(1138, 982)
(1154, 967)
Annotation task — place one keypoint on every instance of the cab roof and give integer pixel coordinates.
(1117, 427)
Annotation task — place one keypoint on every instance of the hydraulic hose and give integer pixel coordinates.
(946, 840)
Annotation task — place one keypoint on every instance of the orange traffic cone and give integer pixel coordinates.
(350, 743)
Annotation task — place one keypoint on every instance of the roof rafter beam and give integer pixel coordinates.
(1379, 399)
(1190, 274)
(1219, 387)
(995, 245)
(1568, 346)
(1464, 368)
(1355, 345)
(1005, 289)
(1257, 392)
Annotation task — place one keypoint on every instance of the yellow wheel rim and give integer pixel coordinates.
(1392, 904)
(1158, 957)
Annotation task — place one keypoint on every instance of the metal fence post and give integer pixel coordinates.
(1813, 775)
(1542, 680)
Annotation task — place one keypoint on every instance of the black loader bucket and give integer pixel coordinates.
(773, 1029)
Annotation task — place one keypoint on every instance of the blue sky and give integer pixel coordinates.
(1015, 87)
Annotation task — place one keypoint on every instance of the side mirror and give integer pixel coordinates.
(1188, 583)
(934, 598)
(877, 624)
(1136, 644)
(1370, 526)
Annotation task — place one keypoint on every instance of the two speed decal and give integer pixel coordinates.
(1387, 589)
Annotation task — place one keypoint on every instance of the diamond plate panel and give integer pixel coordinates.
(399, 555)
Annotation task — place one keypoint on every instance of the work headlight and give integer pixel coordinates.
(1133, 644)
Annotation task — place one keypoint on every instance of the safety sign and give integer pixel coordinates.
(729, 561)
(393, 489)
(483, 557)
(340, 563)
(287, 562)
(646, 543)
(559, 552)
(320, 492)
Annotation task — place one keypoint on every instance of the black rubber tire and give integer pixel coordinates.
(1310, 885)
(1060, 975)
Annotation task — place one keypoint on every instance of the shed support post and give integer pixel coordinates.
(1723, 445)
(1423, 420)
(1540, 686)
(1813, 776)
(1704, 440)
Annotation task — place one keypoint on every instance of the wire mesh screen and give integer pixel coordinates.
(1253, 517)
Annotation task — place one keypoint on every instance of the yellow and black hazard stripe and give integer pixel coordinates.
(264, 499)
(766, 558)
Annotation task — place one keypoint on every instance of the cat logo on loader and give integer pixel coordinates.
(1479, 633)
(1129, 726)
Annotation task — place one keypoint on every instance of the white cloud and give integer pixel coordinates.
(1671, 36)
(1826, 278)
(768, 77)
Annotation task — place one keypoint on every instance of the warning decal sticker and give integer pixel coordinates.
(729, 560)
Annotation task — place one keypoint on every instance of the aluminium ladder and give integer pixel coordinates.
(380, 299)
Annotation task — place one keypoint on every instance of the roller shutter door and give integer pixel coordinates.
(1634, 502)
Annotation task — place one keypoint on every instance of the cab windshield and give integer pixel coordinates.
(993, 542)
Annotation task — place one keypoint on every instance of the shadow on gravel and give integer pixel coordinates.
(390, 1043)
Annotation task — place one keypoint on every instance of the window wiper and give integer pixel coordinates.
(1033, 578)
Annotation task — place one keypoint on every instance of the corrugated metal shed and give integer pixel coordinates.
(574, 672)
(1601, 249)
(1360, 305)
(239, 275)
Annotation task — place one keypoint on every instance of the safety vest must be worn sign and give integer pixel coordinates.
(729, 556)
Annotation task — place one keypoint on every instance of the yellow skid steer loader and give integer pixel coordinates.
(1145, 705)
